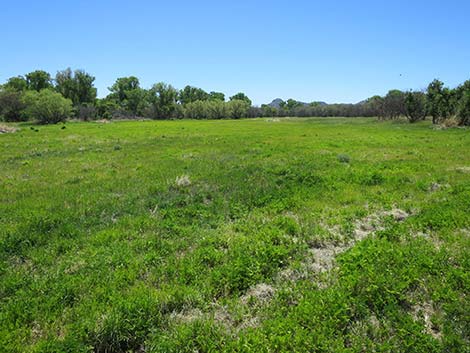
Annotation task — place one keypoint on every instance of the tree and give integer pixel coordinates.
(217, 96)
(17, 84)
(47, 106)
(217, 109)
(77, 86)
(292, 104)
(123, 85)
(415, 106)
(394, 104)
(11, 105)
(238, 108)
(374, 106)
(241, 97)
(106, 108)
(162, 98)
(38, 80)
(439, 101)
(128, 95)
(463, 105)
(191, 94)
(267, 110)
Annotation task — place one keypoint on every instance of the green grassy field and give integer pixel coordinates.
(307, 235)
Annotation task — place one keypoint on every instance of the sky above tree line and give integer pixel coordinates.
(333, 51)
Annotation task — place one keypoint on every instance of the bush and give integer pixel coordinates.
(107, 108)
(47, 106)
(85, 112)
(344, 158)
(11, 106)
(463, 112)
(238, 109)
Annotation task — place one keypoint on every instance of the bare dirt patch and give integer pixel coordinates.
(463, 169)
(182, 181)
(261, 292)
(424, 312)
(103, 121)
(4, 129)
(187, 315)
(322, 258)
(319, 260)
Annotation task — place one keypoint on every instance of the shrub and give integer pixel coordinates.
(85, 112)
(344, 158)
(238, 109)
(11, 106)
(463, 112)
(47, 106)
(107, 108)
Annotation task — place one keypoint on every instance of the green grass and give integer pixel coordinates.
(155, 236)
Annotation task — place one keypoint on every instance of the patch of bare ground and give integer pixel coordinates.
(436, 186)
(4, 129)
(424, 312)
(189, 315)
(259, 293)
(463, 169)
(319, 260)
(182, 181)
(363, 329)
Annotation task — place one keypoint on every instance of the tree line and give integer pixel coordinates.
(71, 94)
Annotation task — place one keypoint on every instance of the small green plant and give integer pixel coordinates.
(344, 158)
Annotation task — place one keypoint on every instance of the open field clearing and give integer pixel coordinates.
(262, 235)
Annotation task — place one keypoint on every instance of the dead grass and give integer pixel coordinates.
(4, 129)
(424, 312)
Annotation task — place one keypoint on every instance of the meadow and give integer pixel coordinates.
(259, 235)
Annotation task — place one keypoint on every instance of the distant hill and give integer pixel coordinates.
(276, 103)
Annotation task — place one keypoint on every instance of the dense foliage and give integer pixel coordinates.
(128, 99)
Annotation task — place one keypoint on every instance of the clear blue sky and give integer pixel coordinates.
(336, 51)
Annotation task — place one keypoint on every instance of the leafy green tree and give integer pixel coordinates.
(191, 94)
(217, 96)
(292, 104)
(394, 104)
(77, 86)
(65, 84)
(163, 101)
(128, 94)
(106, 108)
(415, 106)
(238, 108)
(11, 105)
(122, 86)
(463, 105)
(439, 101)
(268, 111)
(136, 101)
(374, 106)
(195, 110)
(241, 97)
(17, 84)
(38, 80)
(47, 106)
(217, 109)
